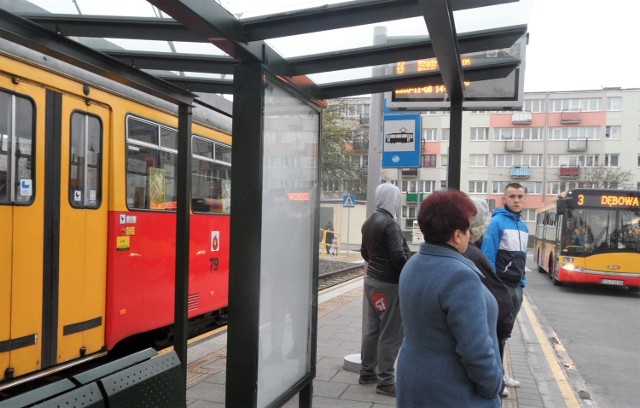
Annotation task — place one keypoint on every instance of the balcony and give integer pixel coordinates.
(521, 118)
(415, 197)
(518, 172)
(514, 145)
(570, 117)
(569, 171)
(577, 145)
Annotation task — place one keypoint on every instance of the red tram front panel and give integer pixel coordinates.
(142, 270)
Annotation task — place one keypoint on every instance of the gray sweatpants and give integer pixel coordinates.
(381, 331)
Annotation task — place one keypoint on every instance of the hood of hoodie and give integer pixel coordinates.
(388, 198)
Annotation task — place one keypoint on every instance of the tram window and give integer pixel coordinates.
(85, 161)
(202, 147)
(168, 138)
(16, 149)
(223, 153)
(142, 131)
(210, 179)
(151, 166)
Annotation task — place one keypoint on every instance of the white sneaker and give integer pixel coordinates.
(510, 382)
(504, 393)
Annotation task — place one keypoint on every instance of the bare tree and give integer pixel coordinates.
(606, 177)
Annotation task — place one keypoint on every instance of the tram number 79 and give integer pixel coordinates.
(214, 264)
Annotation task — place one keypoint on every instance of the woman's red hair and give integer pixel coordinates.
(444, 212)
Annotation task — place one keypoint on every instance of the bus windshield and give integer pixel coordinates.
(591, 231)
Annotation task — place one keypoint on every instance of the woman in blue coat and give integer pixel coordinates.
(449, 356)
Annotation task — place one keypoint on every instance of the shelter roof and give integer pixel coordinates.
(330, 49)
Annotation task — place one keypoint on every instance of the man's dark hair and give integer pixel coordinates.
(513, 185)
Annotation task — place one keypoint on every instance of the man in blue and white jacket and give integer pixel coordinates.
(505, 245)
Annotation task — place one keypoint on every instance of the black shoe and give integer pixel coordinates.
(389, 390)
(367, 379)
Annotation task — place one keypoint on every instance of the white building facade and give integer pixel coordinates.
(560, 140)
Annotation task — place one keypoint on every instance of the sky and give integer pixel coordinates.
(582, 45)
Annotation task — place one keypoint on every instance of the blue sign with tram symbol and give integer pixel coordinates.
(401, 143)
(348, 201)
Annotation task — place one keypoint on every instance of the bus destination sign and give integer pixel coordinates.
(609, 200)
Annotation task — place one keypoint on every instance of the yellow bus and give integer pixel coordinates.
(590, 236)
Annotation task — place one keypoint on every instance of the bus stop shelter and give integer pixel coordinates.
(280, 61)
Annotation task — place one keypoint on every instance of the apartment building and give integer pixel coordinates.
(560, 140)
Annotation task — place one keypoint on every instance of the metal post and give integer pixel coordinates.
(455, 144)
(375, 131)
(182, 238)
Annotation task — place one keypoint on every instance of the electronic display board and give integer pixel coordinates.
(604, 198)
(504, 93)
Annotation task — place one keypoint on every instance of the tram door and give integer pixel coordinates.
(21, 226)
(78, 300)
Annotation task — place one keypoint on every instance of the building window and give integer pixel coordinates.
(429, 135)
(557, 187)
(639, 160)
(429, 160)
(612, 132)
(444, 160)
(518, 133)
(577, 133)
(409, 186)
(445, 134)
(614, 103)
(528, 214)
(582, 160)
(530, 187)
(509, 160)
(478, 160)
(503, 133)
(575, 105)
(408, 212)
(427, 186)
(443, 184)
(479, 134)
(534, 105)
(611, 160)
(477, 187)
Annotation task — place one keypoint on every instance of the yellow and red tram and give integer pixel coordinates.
(87, 214)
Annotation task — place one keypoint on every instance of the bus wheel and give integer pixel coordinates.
(553, 273)
(634, 289)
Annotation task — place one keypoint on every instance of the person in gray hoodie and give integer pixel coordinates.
(386, 251)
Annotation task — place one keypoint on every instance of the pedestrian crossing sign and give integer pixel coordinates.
(348, 200)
